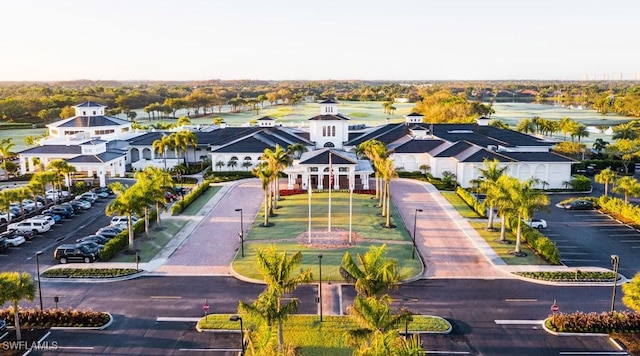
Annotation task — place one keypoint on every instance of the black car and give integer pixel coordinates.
(3, 326)
(74, 205)
(99, 239)
(579, 205)
(75, 253)
(64, 211)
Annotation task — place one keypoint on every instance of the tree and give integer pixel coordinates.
(155, 182)
(375, 151)
(15, 286)
(64, 169)
(277, 271)
(489, 176)
(579, 131)
(160, 147)
(626, 149)
(183, 120)
(296, 150)
(9, 168)
(277, 160)
(188, 138)
(565, 126)
(373, 273)
(605, 177)
(626, 130)
(627, 185)
(387, 172)
(527, 201)
(31, 141)
(631, 290)
(264, 172)
(526, 126)
(6, 146)
(219, 165)
(232, 163)
(500, 197)
(599, 145)
(129, 202)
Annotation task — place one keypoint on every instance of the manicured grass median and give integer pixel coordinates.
(320, 338)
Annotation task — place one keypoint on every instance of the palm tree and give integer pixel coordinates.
(246, 165)
(627, 185)
(277, 270)
(565, 126)
(64, 169)
(500, 197)
(387, 172)
(277, 160)
(605, 177)
(152, 191)
(183, 120)
(527, 201)
(526, 126)
(599, 145)
(232, 163)
(15, 286)
(190, 139)
(9, 168)
(219, 165)
(296, 150)
(489, 177)
(626, 130)
(6, 144)
(129, 202)
(374, 150)
(375, 273)
(579, 131)
(161, 145)
(265, 174)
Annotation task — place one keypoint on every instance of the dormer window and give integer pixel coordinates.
(84, 112)
(94, 112)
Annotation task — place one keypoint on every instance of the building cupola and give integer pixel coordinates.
(328, 107)
(89, 108)
(414, 118)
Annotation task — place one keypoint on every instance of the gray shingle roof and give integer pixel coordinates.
(538, 157)
(483, 154)
(455, 149)
(90, 121)
(336, 117)
(88, 104)
(99, 158)
(417, 146)
(321, 156)
(54, 149)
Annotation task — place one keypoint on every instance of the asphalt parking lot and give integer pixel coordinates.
(588, 238)
(22, 258)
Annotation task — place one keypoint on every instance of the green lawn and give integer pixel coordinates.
(292, 219)
(195, 207)
(319, 338)
(157, 240)
(462, 207)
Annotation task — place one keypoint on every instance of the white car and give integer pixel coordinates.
(4, 218)
(122, 220)
(14, 240)
(45, 218)
(537, 223)
(35, 226)
(31, 205)
(91, 197)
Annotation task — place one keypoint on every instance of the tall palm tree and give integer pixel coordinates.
(265, 174)
(565, 126)
(374, 150)
(501, 198)
(277, 270)
(579, 131)
(605, 177)
(527, 201)
(599, 145)
(627, 185)
(277, 160)
(296, 150)
(151, 191)
(490, 174)
(64, 169)
(129, 202)
(190, 139)
(373, 273)
(387, 172)
(6, 146)
(161, 146)
(15, 286)
(526, 126)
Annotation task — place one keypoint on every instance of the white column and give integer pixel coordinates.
(101, 175)
(23, 165)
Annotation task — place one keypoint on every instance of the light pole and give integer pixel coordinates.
(236, 318)
(615, 260)
(241, 234)
(320, 286)
(413, 238)
(38, 272)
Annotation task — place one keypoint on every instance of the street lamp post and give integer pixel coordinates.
(38, 272)
(241, 234)
(320, 286)
(413, 238)
(236, 318)
(615, 260)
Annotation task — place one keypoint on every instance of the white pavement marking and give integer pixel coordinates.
(519, 322)
(578, 260)
(74, 348)
(209, 350)
(178, 319)
(560, 247)
(165, 297)
(520, 300)
(575, 253)
(592, 353)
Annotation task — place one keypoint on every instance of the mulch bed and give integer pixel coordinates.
(324, 239)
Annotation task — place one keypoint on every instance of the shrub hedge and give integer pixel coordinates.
(182, 204)
(480, 208)
(89, 272)
(120, 241)
(581, 183)
(543, 246)
(615, 206)
(55, 317)
(580, 322)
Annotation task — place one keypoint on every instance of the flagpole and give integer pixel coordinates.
(351, 184)
(309, 190)
(330, 184)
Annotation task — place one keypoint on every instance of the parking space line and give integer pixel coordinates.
(577, 260)
(575, 253)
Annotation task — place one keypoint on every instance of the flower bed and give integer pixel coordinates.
(89, 272)
(575, 276)
(604, 322)
(34, 318)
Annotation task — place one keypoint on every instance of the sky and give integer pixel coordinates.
(45, 40)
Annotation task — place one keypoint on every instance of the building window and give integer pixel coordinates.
(314, 169)
(324, 131)
(94, 112)
(333, 131)
(343, 169)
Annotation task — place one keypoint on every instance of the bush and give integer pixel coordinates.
(581, 183)
(594, 322)
(55, 317)
(89, 272)
(479, 208)
(625, 211)
(120, 241)
(543, 246)
(182, 204)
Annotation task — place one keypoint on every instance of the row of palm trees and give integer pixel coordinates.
(510, 197)
(177, 141)
(147, 192)
(625, 185)
(384, 169)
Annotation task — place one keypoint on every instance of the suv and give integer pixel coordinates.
(123, 220)
(64, 211)
(35, 226)
(537, 223)
(74, 253)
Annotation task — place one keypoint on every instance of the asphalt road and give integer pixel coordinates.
(589, 238)
(490, 317)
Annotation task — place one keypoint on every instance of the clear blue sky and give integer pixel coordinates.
(316, 40)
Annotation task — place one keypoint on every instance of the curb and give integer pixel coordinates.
(95, 280)
(556, 333)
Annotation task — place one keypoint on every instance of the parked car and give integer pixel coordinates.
(122, 220)
(92, 245)
(44, 201)
(537, 223)
(56, 218)
(73, 205)
(14, 240)
(102, 192)
(83, 203)
(91, 197)
(32, 205)
(3, 326)
(28, 235)
(4, 218)
(74, 253)
(43, 217)
(108, 231)
(65, 211)
(99, 239)
(35, 226)
(579, 205)
(4, 246)
(57, 194)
